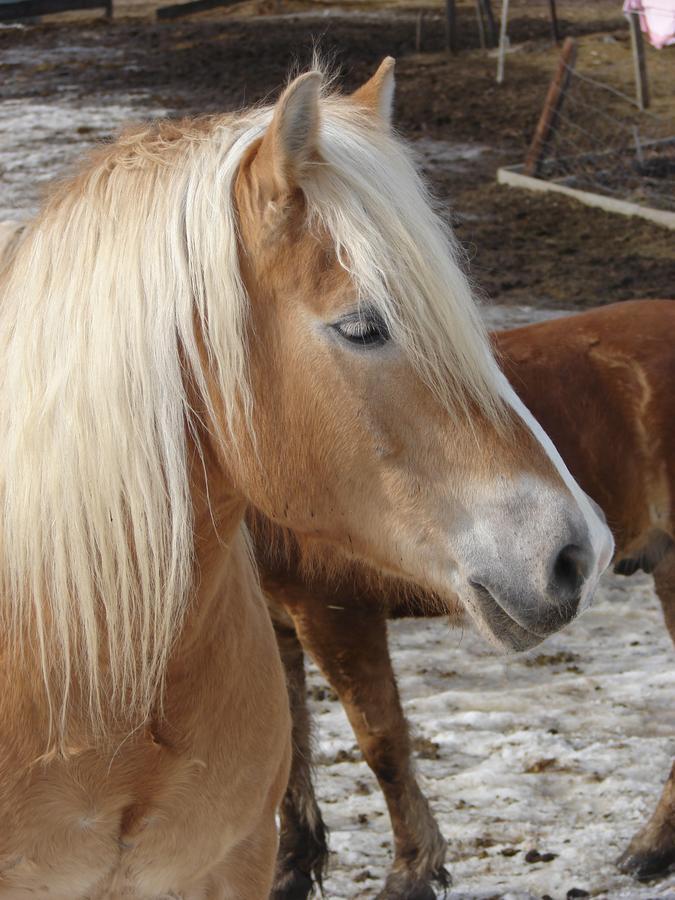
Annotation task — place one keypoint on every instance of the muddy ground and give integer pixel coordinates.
(523, 248)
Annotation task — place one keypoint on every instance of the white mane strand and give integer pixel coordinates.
(97, 321)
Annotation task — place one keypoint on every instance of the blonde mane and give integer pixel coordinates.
(129, 272)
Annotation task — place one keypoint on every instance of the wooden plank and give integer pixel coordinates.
(451, 26)
(23, 9)
(552, 106)
(639, 61)
(194, 6)
(514, 177)
(555, 31)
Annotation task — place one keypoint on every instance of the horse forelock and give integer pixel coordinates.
(129, 276)
(403, 258)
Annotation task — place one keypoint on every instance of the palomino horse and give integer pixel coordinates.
(601, 383)
(255, 308)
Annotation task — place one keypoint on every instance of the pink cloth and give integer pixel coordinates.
(657, 19)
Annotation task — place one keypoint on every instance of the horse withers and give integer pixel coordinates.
(259, 308)
(601, 384)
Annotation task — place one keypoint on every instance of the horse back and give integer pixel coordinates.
(601, 385)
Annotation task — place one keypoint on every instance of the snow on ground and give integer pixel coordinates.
(563, 750)
(41, 141)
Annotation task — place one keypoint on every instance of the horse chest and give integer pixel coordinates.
(155, 813)
(148, 819)
(149, 827)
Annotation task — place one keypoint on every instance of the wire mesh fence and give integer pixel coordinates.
(600, 142)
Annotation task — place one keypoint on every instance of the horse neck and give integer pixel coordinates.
(221, 558)
(222, 626)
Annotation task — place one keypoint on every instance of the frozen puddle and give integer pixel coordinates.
(563, 750)
(41, 141)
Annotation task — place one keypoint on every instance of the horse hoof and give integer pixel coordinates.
(292, 885)
(417, 891)
(407, 886)
(646, 864)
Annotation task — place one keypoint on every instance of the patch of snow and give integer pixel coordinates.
(514, 316)
(41, 141)
(446, 155)
(61, 54)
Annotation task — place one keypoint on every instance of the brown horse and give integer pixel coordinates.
(259, 308)
(602, 383)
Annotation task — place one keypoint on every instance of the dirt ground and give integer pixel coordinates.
(523, 248)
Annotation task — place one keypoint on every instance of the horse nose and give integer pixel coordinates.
(571, 567)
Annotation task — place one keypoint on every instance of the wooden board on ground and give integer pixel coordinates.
(514, 176)
(193, 6)
(28, 9)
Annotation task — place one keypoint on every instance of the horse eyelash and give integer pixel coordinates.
(360, 326)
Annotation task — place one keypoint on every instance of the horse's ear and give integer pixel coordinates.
(290, 142)
(377, 94)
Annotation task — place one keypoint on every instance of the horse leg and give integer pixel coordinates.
(303, 848)
(651, 853)
(349, 644)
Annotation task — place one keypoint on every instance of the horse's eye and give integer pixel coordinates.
(365, 328)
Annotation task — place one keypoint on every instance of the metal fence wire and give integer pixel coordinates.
(600, 142)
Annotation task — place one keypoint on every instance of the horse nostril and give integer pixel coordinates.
(570, 570)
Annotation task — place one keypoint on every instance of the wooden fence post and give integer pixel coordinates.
(418, 32)
(486, 6)
(481, 25)
(451, 26)
(552, 106)
(554, 22)
(503, 39)
(639, 61)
